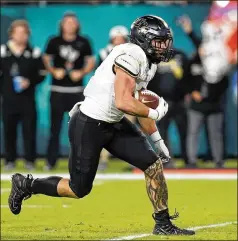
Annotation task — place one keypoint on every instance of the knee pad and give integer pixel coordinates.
(153, 169)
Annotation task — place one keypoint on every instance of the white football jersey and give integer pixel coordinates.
(99, 94)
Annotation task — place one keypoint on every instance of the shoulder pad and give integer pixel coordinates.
(128, 63)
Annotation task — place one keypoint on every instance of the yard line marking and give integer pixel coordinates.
(131, 176)
(213, 225)
(3, 190)
(98, 183)
(66, 206)
(191, 228)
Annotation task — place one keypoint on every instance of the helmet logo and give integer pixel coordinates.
(140, 22)
(143, 30)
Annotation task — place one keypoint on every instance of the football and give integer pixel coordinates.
(147, 97)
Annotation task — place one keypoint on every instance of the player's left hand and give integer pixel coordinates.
(76, 75)
(162, 151)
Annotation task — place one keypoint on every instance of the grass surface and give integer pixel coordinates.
(120, 208)
(114, 166)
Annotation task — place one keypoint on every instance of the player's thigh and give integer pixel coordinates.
(86, 142)
(130, 145)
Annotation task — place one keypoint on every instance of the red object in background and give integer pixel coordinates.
(232, 44)
(224, 15)
(221, 10)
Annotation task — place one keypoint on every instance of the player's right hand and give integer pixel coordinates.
(58, 73)
(162, 108)
(196, 95)
(186, 23)
(76, 75)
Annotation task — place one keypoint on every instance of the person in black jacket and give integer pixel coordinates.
(208, 73)
(170, 83)
(68, 57)
(22, 69)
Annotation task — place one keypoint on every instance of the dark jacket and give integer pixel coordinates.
(169, 81)
(28, 65)
(213, 93)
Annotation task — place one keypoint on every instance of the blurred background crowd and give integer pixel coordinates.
(50, 49)
(129, 2)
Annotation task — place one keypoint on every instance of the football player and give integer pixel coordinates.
(100, 123)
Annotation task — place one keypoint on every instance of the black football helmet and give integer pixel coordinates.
(154, 36)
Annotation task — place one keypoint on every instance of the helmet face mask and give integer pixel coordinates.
(153, 35)
(159, 49)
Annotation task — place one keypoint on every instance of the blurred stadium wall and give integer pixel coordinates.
(96, 22)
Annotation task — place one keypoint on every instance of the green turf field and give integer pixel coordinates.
(117, 209)
(115, 165)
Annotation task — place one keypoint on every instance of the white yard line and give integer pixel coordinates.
(130, 176)
(3, 190)
(98, 183)
(191, 228)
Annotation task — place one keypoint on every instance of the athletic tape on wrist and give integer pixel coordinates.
(155, 136)
(153, 114)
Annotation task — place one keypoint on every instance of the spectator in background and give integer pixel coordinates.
(117, 35)
(68, 57)
(21, 70)
(170, 83)
(165, 3)
(208, 73)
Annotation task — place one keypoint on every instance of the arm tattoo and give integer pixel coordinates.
(156, 186)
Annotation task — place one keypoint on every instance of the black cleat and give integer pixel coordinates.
(19, 191)
(163, 225)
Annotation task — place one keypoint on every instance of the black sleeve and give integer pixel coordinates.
(1, 76)
(87, 48)
(190, 81)
(1, 71)
(183, 86)
(51, 47)
(196, 40)
(39, 71)
(222, 86)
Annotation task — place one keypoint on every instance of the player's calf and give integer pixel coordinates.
(158, 193)
(23, 187)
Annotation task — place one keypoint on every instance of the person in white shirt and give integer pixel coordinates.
(100, 123)
(117, 35)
